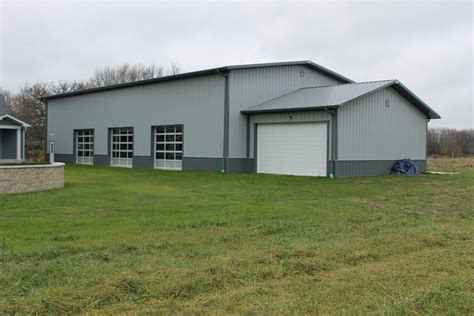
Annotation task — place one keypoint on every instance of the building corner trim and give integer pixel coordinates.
(225, 153)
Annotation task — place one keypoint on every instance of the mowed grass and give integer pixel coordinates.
(150, 241)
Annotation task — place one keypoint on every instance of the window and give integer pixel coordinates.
(121, 147)
(85, 146)
(169, 147)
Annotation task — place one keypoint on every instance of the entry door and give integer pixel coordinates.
(292, 149)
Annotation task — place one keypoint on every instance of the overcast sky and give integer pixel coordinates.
(427, 46)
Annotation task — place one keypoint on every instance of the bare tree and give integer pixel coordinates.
(433, 144)
(447, 142)
(28, 106)
(5, 97)
(66, 86)
(174, 69)
(128, 73)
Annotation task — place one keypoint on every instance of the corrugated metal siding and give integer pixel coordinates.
(369, 130)
(250, 87)
(66, 158)
(310, 116)
(364, 168)
(203, 164)
(198, 103)
(241, 165)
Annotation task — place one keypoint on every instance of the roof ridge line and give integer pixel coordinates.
(350, 83)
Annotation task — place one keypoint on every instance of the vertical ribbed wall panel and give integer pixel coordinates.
(369, 130)
(249, 87)
(197, 103)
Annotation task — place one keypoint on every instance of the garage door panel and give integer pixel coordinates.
(292, 148)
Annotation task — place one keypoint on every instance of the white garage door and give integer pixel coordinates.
(292, 148)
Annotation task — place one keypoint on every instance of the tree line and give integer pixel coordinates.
(28, 106)
(450, 142)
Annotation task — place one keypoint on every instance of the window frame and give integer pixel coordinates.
(81, 160)
(165, 163)
(115, 146)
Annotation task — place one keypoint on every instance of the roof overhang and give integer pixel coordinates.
(15, 120)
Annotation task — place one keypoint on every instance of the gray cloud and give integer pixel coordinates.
(428, 46)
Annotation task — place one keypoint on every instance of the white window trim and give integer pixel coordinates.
(120, 161)
(168, 164)
(83, 160)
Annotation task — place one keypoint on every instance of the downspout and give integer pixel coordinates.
(333, 114)
(46, 158)
(426, 141)
(225, 153)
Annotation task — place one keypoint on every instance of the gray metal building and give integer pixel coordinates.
(295, 118)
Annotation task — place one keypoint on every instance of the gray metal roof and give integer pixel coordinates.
(206, 72)
(315, 98)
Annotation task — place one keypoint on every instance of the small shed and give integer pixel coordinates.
(12, 136)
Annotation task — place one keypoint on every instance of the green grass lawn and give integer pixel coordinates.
(117, 240)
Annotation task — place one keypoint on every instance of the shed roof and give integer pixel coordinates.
(205, 72)
(315, 98)
(13, 120)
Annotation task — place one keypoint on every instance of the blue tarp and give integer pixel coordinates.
(405, 167)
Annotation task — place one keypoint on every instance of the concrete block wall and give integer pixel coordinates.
(20, 179)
